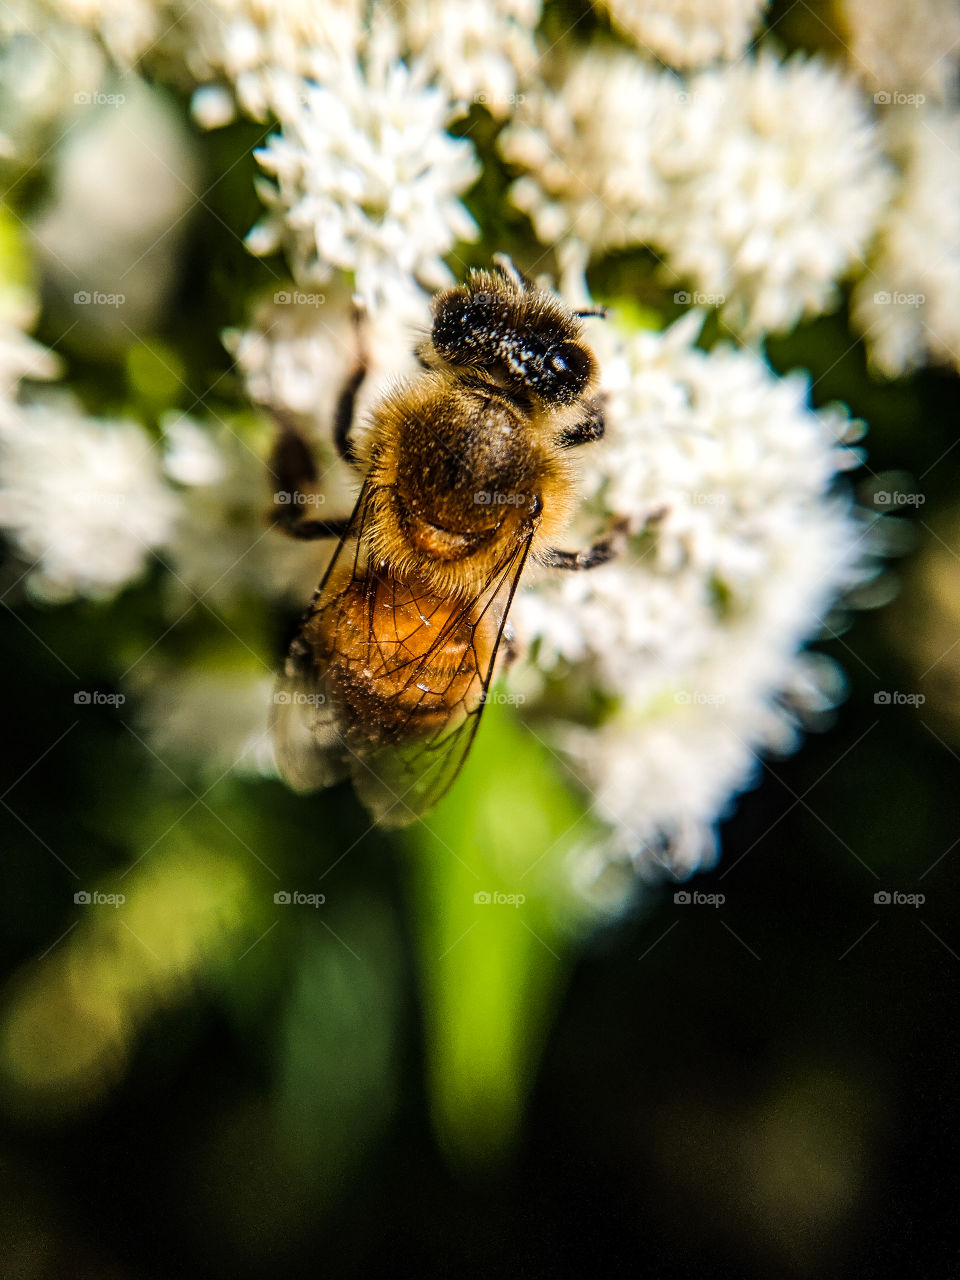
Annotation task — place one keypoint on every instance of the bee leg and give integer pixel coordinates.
(294, 470)
(312, 530)
(347, 404)
(591, 428)
(593, 556)
(600, 552)
(343, 418)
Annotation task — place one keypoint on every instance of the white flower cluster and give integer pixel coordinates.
(300, 348)
(366, 178)
(589, 152)
(776, 183)
(694, 634)
(238, 51)
(689, 33)
(478, 50)
(45, 65)
(83, 499)
(899, 52)
(221, 549)
(908, 307)
(761, 182)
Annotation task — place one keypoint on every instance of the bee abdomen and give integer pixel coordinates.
(401, 663)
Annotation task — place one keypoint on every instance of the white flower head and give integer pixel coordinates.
(128, 28)
(253, 45)
(221, 549)
(48, 70)
(20, 356)
(695, 634)
(83, 498)
(367, 179)
(776, 184)
(300, 348)
(589, 152)
(908, 306)
(689, 33)
(479, 50)
(900, 52)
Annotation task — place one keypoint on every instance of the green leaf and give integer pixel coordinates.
(496, 920)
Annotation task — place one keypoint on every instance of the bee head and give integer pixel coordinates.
(518, 334)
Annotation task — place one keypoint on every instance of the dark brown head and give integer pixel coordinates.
(519, 335)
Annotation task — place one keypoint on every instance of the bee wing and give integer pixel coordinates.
(399, 782)
(398, 770)
(305, 725)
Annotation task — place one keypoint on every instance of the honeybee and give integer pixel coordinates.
(465, 481)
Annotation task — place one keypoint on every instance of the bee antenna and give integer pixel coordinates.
(585, 312)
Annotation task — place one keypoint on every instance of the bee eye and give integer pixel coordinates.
(567, 369)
